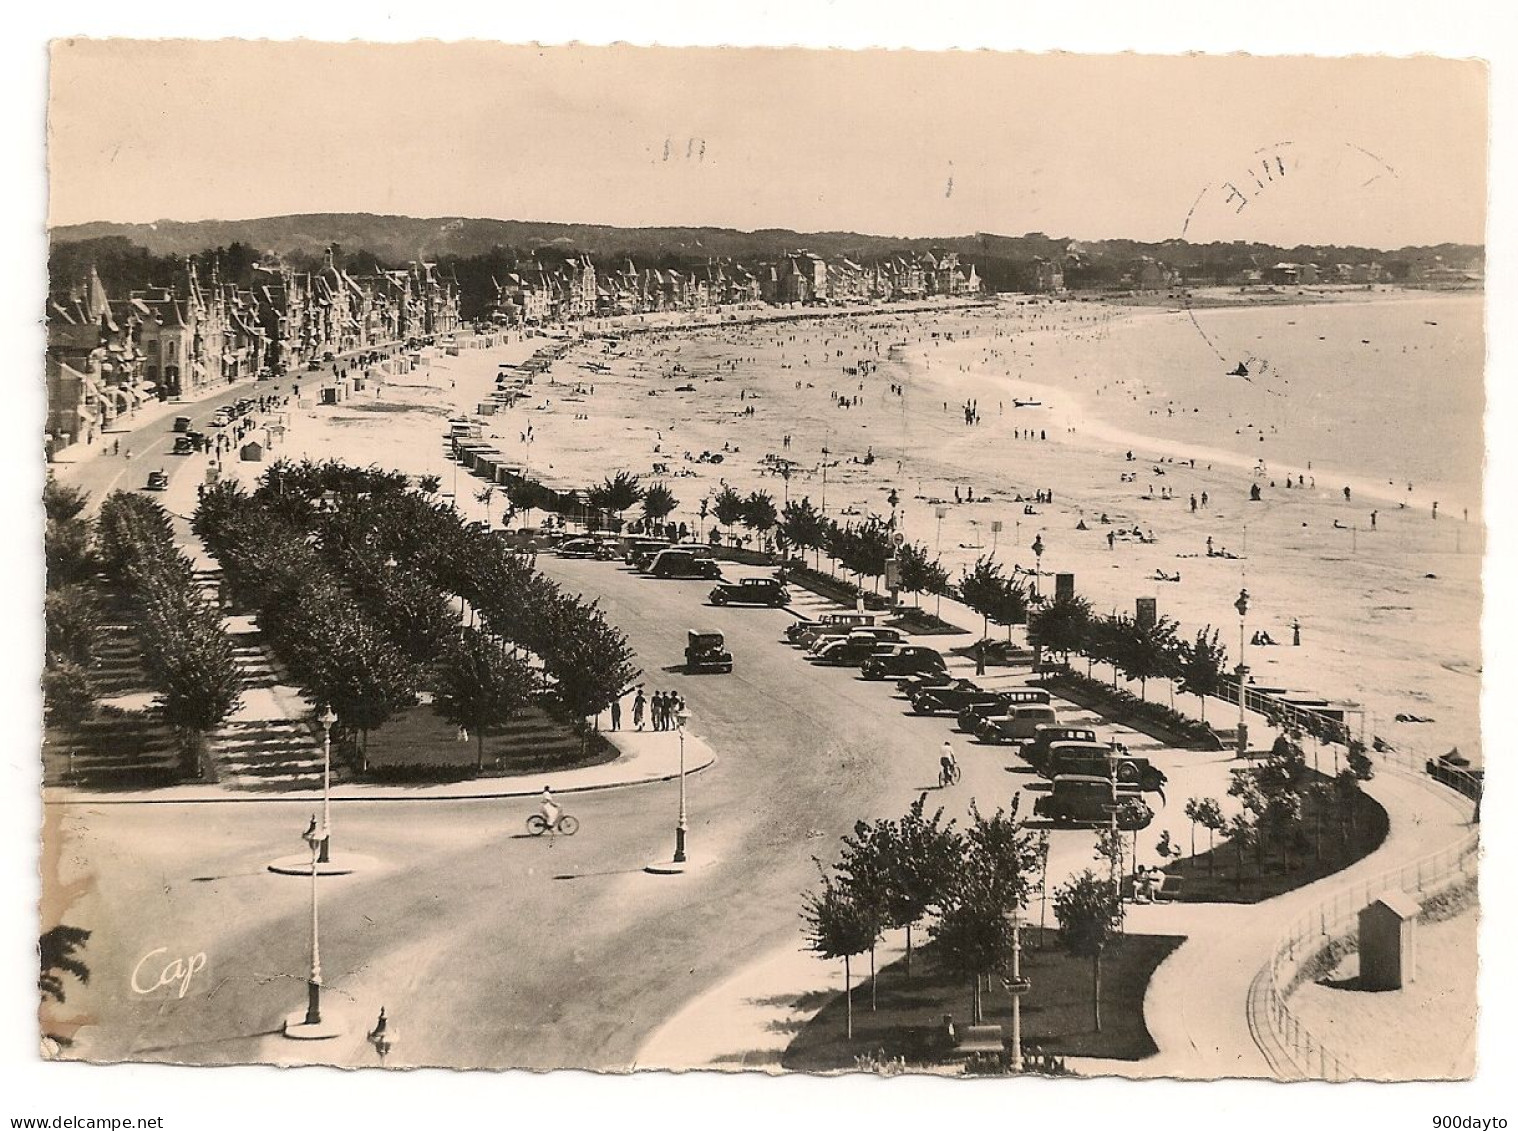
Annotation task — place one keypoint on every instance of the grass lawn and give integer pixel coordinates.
(1215, 876)
(923, 623)
(1056, 1013)
(418, 745)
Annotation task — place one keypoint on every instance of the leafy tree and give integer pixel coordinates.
(71, 614)
(67, 696)
(1062, 625)
(592, 663)
(349, 663)
(1202, 665)
(972, 935)
(1359, 762)
(836, 926)
(58, 949)
(67, 553)
(429, 484)
(993, 596)
(1087, 912)
(617, 493)
(200, 685)
(485, 495)
(759, 513)
(803, 526)
(1242, 832)
(62, 503)
(1205, 811)
(727, 507)
(659, 502)
(919, 573)
(480, 687)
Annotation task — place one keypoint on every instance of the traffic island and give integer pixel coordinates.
(296, 1028)
(299, 864)
(907, 1020)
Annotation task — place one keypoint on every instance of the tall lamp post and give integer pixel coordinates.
(682, 716)
(1017, 986)
(327, 719)
(939, 512)
(1242, 605)
(310, 1026)
(1038, 560)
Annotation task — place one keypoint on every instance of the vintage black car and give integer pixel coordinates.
(706, 652)
(803, 632)
(183, 445)
(679, 561)
(974, 714)
(912, 684)
(909, 659)
(1036, 750)
(952, 699)
(1094, 759)
(1082, 799)
(157, 481)
(641, 551)
(750, 591)
(1017, 723)
(853, 650)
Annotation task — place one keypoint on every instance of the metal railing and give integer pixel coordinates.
(1305, 1054)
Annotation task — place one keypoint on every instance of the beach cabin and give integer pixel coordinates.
(1388, 942)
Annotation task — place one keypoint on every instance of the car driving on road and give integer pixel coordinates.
(750, 591)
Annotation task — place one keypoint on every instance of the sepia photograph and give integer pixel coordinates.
(764, 560)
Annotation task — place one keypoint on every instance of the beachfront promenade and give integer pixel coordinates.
(815, 745)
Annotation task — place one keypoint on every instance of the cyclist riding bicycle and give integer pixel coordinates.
(549, 808)
(948, 770)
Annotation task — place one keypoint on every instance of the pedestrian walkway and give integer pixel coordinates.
(1196, 1004)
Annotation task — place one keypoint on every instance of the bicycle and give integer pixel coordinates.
(948, 775)
(537, 825)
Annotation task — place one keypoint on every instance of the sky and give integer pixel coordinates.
(1374, 151)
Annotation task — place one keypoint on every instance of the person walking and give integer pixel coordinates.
(616, 713)
(638, 705)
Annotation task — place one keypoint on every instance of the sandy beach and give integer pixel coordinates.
(1389, 613)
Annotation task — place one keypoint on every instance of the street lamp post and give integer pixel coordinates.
(315, 839)
(1038, 559)
(939, 512)
(1018, 986)
(326, 720)
(682, 716)
(1242, 605)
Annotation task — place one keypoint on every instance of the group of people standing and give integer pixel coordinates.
(662, 712)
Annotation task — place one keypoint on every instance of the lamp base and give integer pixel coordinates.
(296, 1028)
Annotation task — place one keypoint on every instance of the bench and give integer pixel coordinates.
(1169, 890)
(974, 1040)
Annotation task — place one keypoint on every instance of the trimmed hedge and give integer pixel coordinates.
(1121, 705)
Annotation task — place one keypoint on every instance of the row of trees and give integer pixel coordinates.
(1282, 805)
(363, 586)
(188, 656)
(967, 885)
(71, 609)
(1139, 650)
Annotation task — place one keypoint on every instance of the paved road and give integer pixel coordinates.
(489, 948)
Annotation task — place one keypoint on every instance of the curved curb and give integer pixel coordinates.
(306, 798)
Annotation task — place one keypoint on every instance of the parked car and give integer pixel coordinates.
(803, 632)
(972, 716)
(910, 685)
(1082, 799)
(706, 652)
(641, 551)
(879, 633)
(750, 591)
(952, 698)
(678, 562)
(1019, 724)
(157, 481)
(577, 548)
(909, 659)
(1095, 759)
(1036, 750)
(852, 650)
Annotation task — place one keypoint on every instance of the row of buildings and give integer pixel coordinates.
(565, 288)
(107, 355)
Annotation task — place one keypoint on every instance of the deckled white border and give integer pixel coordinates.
(256, 1098)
